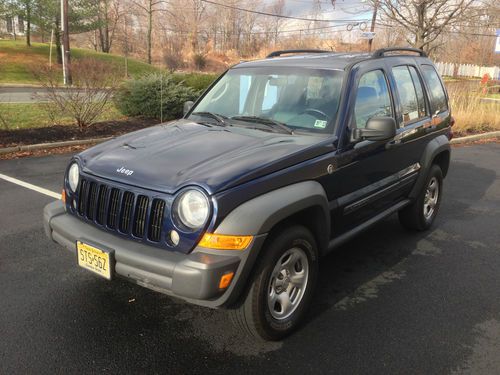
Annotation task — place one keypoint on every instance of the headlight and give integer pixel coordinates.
(73, 176)
(193, 209)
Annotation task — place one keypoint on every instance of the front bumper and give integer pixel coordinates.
(193, 277)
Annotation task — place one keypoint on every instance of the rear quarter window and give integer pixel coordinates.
(436, 90)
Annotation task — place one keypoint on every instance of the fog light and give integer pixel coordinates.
(174, 238)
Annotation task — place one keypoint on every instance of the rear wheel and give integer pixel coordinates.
(281, 288)
(421, 214)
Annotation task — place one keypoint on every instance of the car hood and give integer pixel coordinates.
(170, 156)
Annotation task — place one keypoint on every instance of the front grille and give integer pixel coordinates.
(121, 210)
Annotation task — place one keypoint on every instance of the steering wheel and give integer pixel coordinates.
(317, 111)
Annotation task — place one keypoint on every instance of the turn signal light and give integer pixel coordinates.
(63, 196)
(225, 280)
(225, 242)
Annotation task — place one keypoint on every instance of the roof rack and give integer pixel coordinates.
(382, 51)
(291, 51)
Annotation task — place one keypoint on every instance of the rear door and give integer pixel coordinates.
(438, 99)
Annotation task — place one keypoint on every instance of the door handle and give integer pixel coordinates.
(393, 143)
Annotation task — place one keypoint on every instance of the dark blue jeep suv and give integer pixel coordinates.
(280, 161)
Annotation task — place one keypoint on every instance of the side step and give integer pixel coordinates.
(337, 241)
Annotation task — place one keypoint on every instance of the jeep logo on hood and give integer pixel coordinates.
(122, 170)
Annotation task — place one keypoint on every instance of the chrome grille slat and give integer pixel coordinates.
(114, 205)
(156, 220)
(92, 201)
(141, 208)
(101, 204)
(126, 211)
(82, 197)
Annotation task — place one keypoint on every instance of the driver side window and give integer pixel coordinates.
(372, 98)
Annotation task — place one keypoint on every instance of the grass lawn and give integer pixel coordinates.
(33, 115)
(16, 60)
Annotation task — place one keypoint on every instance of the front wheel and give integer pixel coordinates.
(421, 214)
(282, 286)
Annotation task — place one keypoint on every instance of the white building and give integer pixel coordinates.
(12, 25)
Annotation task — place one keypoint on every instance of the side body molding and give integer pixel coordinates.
(260, 214)
(435, 147)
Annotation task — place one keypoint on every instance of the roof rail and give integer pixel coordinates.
(291, 51)
(380, 52)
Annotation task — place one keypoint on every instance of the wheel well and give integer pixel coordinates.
(313, 218)
(443, 160)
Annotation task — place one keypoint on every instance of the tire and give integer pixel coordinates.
(421, 213)
(288, 251)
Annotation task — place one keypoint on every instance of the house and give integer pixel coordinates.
(12, 25)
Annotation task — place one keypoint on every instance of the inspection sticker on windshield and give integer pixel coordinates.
(320, 124)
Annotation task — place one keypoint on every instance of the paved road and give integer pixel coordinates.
(20, 94)
(23, 94)
(390, 301)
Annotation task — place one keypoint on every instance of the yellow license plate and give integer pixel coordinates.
(93, 259)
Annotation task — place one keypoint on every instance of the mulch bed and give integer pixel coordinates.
(51, 151)
(58, 133)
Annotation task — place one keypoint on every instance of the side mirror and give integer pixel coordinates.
(187, 106)
(377, 129)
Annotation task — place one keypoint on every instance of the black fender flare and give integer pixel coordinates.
(435, 147)
(259, 215)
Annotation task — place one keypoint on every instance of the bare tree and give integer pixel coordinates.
(278, 7)
(424, 20)
(150, 7)
(197, 11)
(94, 84)
(108, 14)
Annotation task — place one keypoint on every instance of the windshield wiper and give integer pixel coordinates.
(217, 117)
(265, 121)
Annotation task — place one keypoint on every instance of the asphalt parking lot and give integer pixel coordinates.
(390, 301)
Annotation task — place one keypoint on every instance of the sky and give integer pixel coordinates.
(343, 10)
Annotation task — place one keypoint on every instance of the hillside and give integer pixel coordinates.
(16, 60)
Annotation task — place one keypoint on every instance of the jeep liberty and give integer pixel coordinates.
(279, 162)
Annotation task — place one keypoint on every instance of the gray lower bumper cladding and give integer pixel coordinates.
(193, 277)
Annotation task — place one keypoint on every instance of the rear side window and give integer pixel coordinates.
(410, 93)
(438, 96)
(372, 98)
(422, 108)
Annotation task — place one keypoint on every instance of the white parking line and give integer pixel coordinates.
(31, 186)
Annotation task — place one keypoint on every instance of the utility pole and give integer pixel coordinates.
(65, 44)
(50, 48)
(125, 47)
(372, 27)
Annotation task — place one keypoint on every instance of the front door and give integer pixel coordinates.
(372, 175)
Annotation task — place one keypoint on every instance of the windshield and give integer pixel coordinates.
(302, 99)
